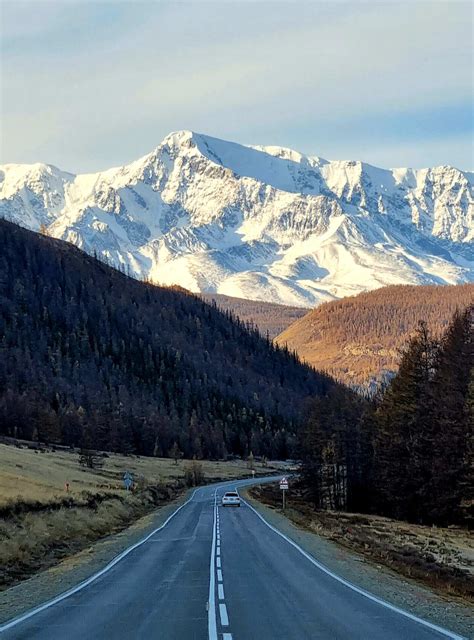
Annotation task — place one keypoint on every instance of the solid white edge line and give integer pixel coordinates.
(29, 614)
(211, 611)
(224, 616)
(366, 594)
(220, 589)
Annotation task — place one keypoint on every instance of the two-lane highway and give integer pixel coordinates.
(213, 573)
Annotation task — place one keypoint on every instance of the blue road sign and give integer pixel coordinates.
(127, 480)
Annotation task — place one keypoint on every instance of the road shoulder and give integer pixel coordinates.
(380, 581)
(68, 573)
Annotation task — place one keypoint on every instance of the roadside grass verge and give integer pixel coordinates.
(32, 539)
(441, 558)
(29, 472)
(51, 507)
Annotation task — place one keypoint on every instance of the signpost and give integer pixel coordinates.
(127, 480)
(284, 489)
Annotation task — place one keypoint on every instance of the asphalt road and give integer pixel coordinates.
(218, 573)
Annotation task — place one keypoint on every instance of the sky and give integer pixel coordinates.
(90, 85)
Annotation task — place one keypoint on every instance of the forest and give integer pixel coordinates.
(92, 358)
(358, 339)
(269, 318)
(408, 454)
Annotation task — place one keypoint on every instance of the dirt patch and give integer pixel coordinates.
(441, 558)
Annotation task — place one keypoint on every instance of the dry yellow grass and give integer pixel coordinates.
(31, 475)
(34, 536)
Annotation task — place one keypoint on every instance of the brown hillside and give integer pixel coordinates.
(358, 339)
(267, 316)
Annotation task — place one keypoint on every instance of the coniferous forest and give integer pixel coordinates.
(410, 453)
(93, 358)
(90, 357)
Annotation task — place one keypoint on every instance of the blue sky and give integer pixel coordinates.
(88, 85)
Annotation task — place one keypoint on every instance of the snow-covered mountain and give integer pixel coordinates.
(263, 223)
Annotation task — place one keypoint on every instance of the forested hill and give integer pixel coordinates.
(91, 357)
(269, 318)
(360, 338)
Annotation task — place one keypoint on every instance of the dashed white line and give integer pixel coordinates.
(220, 589)
(218, 550)
(224, 616)
(218, 561)
(226, 636)
(219, 575)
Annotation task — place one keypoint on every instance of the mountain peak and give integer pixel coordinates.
(265, 223)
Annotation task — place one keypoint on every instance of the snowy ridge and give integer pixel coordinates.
(264, 223)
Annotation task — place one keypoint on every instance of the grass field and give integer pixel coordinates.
(29, 474)
(41, 523)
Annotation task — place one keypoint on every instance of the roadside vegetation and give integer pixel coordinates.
(394, 478)
(409, 455)
(52, 506)
(438, 557)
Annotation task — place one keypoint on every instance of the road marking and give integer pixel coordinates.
(220, 589)
(224, 616)
(226, 636)
(218, 561)
(218, 550)
(93, 578)
(366, 594)
(211, 611)
(219, 575)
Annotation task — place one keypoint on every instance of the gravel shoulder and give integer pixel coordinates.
(48, 584)
(451, 613)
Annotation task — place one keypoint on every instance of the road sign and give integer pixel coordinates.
(284, 489)
(127, 480)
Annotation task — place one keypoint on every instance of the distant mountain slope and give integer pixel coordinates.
(262, 223)
(269, 318)
(357, 339)
(91, 356)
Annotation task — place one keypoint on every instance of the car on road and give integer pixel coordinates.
(231, 499)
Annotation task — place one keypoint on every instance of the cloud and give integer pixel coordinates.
(101, 84)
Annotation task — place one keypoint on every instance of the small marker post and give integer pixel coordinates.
(284, 489)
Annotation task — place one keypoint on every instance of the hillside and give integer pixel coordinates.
(93, 357)
(260, 223)
(269, 318)
(358, 339)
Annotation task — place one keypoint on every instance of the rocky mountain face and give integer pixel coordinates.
(263, 223)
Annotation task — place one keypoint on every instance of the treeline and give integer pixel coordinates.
(358, 339)
(409, 454)
(269, 318)
(92, 358)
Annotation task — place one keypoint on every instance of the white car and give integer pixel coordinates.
(231, 499)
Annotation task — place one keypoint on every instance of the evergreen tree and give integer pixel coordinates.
(404, 435)
(451, 461)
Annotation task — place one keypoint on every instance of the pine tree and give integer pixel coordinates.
(404, 439)
(452, 421)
